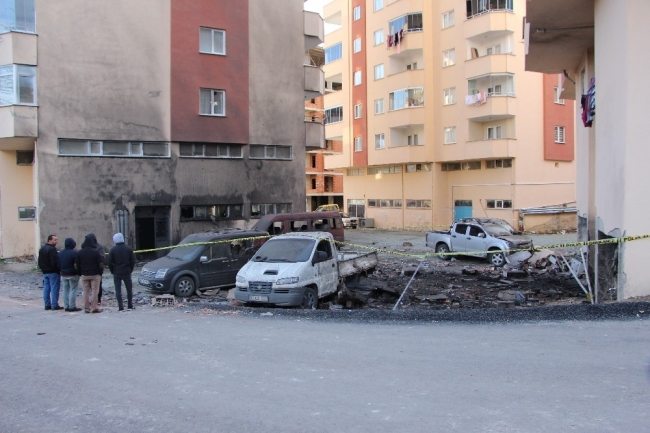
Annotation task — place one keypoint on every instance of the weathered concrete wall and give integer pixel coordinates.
(551, 223)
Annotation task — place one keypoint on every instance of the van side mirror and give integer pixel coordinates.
(320, 256)
(203, 259)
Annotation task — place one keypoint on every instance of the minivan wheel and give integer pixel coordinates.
(185, 287)
(309, 299)
(497, 258)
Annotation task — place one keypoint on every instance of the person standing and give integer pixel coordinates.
(48, 262)
(90, 265)
(121, 262)
(102, 251)
(69, 275)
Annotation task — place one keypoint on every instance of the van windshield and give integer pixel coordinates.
(185, 253)
(285, 250)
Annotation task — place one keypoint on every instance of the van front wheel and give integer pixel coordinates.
(185, 287)
(309, 299)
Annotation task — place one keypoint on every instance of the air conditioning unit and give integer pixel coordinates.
(367, 223)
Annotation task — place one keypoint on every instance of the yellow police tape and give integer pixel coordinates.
(618, 240)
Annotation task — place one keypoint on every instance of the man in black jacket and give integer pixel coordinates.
(121, 262)
(48, 262)
(90, 264)
(69, 275)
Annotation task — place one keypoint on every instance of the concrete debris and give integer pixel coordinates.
(163, 301)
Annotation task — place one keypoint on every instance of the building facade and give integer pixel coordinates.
(595, 47)
(156, 118)
(439, 120)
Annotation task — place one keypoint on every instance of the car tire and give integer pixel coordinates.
(185, 287)
(497, 258)
(442, 249)
(309, 299)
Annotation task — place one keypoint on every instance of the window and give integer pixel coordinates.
(357, 45)
(450, 135)
(499, 204)
(212, 41)
(26, 213)
(334, 52)
(447, 19)
(17, 85)
(408, 23)
(414, 168)
(449, 96)
(556, 96)
(357, 111)
(498, 163)
(493, 132)
(18, 16)
(357, 13)
(357, 208)
(357, 78)
(122, 149)
(387, 169)
(418, 204)
(261, 209)
(471, 165)
(379, 106)
(406, 98)
(379, 141)
(356, 171)
(211, 212)
(24, 157)
(333, 115)
(449, 57)
(358, 144)
(379, 72)
(209, 150)
(379, 4)
(313, 182)
(559, 134)
(412, 140)
(390, 203)
(379, 37)
(450, 166)
(496, 49)
(213, 102)
(260, 151)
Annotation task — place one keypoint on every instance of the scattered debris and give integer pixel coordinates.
(163, 301)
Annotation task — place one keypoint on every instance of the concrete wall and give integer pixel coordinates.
(16, 237)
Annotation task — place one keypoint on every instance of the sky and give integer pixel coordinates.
(315, 6)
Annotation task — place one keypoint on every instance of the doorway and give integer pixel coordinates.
(152, 231)
(462, 209)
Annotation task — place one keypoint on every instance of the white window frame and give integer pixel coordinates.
(498, 204)
(270, 152)
(378, 37)
(357, 111)
(380, 141)
(221, 51)
(412, 140)
(357, 45)
(379, 106)
(358, 144)
(449, 57)
(494, 49)
(450, 135)
(135, 149)
(556, 96)
(379, 71)
(10, 78)
(357, 13)
(494, 132)
(448, 19)
(223, 151)
(378, 5)
(213, 102)
(449, 96)
(357, 78)
(560, 134)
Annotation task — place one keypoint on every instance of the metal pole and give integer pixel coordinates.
(584, 263)
(407, 286)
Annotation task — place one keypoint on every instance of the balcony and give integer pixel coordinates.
(412, 42)
(18, 48)
(486, 64)
(314, 30)
(488, 23)
(314, 81)
(494, 108)
(314, 133)
(411, 78)
(18, 127)
(477, 8)
(481, 149)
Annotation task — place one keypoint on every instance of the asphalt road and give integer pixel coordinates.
(164, 369)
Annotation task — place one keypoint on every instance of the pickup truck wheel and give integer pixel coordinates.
(497, 258)
(185, 287)
(442, 249)
(309, 299)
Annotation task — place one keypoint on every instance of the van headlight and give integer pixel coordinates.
(160, 273)
(240, 279)
(292, 280)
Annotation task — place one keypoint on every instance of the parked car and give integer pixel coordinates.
(349, 222)
(201, 261)
(482, 237)
(279, 223)
(298, 269)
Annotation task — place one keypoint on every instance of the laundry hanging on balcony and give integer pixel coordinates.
(476, 99)
(588, 104)
(395, 40)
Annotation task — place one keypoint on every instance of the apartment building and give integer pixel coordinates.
(596, 48)
(439, 120)
(155, 118)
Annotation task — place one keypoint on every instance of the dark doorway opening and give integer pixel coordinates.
(152, 231)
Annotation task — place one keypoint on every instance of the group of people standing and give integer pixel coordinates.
(68, 267)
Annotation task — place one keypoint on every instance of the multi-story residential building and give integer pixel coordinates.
(596, 48)
(438, 118)
(323, 186)
(156, 118)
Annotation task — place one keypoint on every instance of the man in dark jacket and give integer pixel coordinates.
(48, 262)
(121, 262)
(69, 275)
(90, 264)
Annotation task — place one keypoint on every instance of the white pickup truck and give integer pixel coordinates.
(298, 269)
(480, 237)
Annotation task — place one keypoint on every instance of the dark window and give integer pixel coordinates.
(24, 157)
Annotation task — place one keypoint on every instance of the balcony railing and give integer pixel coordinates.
(480, 7)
